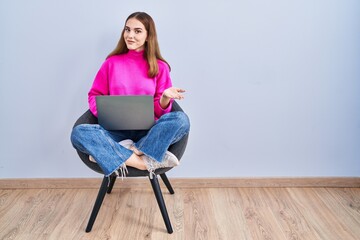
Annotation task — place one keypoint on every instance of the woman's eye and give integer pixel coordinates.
(127, 30)
(137, 31)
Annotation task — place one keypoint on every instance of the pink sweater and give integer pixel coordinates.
(126, 74)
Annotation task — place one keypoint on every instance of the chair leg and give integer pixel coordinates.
(159, 197)
(167, 183)
(98, 202)
(111, 185)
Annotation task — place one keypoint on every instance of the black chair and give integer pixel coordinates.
(108, 182)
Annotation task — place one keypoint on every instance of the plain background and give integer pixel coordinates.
(273, 87)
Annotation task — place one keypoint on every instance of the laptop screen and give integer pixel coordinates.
(125, 112)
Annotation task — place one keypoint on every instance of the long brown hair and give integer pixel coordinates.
(152, 50)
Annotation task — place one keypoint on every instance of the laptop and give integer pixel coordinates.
(125, 112)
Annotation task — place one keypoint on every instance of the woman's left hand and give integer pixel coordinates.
(171, 93)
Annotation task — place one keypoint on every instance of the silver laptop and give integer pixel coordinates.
(125, 112)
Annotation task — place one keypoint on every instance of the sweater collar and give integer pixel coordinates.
(135, 54)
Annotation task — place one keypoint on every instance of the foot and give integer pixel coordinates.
(170, 160)
(136, 162)
(143, 162)
(92, 159)
(137, 152)
(129, 144)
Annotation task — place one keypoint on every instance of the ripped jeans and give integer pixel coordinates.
(104, 147)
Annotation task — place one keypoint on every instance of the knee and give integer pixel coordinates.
(183, 120)
(177, 120)
(77, 134)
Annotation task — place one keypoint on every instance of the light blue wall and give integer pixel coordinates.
(273, 87)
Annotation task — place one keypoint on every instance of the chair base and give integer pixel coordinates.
(107, 186)
(159, 197)
(100, 197)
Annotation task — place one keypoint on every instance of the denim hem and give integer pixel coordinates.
(119, 171)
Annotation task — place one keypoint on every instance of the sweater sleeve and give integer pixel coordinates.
(100, 86)
(163, 82)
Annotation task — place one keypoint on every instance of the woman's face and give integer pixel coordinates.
(135, 35)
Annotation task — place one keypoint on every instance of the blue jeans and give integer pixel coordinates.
(104, 146)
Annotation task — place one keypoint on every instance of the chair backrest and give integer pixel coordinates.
(177, 149)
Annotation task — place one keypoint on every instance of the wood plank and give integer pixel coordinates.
(319, 215)
(229, 212)
(198, 216)
(94, 183)
(260, 221)
(345, 205)
(288, 214)
(349, 199)
(195, 213)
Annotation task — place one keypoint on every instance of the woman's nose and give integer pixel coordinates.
(131, 34)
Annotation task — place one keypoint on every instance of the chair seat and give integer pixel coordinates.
(177, 149)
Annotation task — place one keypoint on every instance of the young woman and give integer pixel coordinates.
(135, 67)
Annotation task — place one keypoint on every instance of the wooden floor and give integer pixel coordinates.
(195, 213)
